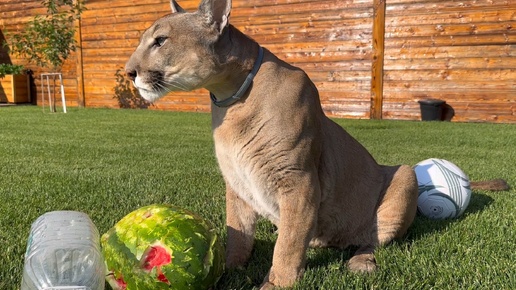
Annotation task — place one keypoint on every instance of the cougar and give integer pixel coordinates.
(280, 156)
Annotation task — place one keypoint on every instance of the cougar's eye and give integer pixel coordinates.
(159, 41)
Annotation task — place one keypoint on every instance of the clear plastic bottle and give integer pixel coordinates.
(63, 252)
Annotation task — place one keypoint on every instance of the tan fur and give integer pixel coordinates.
(280, 156)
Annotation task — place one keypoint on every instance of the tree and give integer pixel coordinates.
(48, 39)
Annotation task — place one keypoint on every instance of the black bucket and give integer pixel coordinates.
(431, 109)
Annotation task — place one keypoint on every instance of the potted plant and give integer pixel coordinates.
(47, 40)
(14, 84)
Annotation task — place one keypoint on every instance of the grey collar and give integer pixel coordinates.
(241, 91)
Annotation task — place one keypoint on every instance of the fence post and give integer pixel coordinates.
(377, 62)
(81, 98)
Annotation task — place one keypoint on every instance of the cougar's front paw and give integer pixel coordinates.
(267, 286)
(362, 263)
(279, 279)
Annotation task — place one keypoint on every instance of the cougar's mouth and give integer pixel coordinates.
(152, 87)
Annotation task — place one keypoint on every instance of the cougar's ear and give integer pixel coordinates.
(216, 12)
(175, 7)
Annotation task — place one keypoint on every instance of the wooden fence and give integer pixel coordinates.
(368, 58)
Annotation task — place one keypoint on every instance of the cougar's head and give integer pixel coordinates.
(177, 52)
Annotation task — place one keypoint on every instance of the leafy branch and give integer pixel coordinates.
(48, 40)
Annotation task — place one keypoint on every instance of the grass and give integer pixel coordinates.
(107, 163)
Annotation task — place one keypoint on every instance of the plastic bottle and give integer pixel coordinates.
(63, 252)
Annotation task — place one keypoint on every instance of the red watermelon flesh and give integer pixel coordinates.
(156, 257)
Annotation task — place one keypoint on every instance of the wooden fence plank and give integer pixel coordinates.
(377, 62)
(81, 97)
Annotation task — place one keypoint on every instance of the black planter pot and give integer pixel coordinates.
(431, 109)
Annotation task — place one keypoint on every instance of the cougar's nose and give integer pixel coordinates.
(131, 69)
(131, 73)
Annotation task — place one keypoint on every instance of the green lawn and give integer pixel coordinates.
(107, 163)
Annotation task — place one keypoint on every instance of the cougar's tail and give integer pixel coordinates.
(493, 185)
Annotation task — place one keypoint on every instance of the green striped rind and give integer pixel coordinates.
(214, 263)
(197, 254)
(120, 261)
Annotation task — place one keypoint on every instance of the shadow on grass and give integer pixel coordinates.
(254, 271)
(322, 257)
(261, 260)
(478, 202)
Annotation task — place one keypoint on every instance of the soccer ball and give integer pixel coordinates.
(444, 189)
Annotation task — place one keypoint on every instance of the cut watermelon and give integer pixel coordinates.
(162, 247)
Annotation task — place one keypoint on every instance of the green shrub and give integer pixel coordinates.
(10, 69)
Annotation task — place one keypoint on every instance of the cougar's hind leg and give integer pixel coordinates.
(394, 215)
(399, 204)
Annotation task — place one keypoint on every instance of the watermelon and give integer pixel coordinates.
(162, 247)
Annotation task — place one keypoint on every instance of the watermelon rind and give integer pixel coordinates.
(197, 256)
